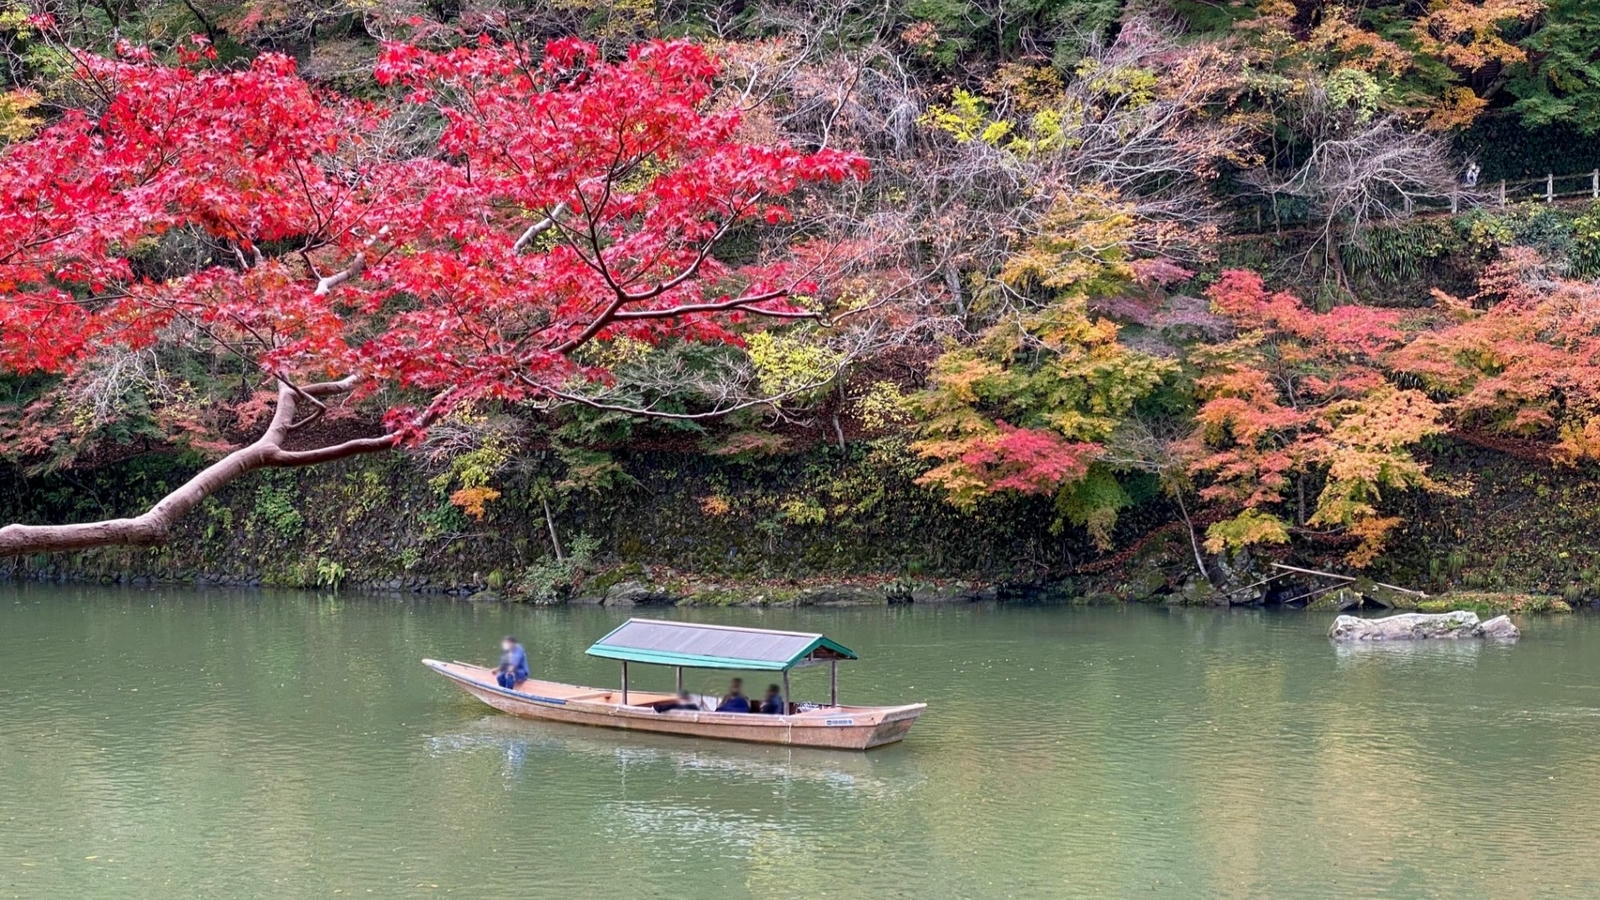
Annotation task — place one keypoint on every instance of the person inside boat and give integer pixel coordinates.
(513, 663)
(773, 704)
(682, 701)
(736, 701)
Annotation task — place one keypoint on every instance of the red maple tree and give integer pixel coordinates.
(458, 243)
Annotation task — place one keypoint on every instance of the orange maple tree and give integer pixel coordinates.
(1520, 357)
(1299, 397)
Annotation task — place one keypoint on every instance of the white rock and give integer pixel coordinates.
(1422, 626)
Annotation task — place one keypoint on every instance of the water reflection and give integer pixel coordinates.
(880, 773)
(1403, 653)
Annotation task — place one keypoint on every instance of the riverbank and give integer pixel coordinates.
(668, 521)
(820, 528)
(621, 589)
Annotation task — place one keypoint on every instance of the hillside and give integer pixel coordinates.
(1119, 299)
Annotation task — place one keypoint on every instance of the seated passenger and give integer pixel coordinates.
(773, 704)
(682, 701)
(513, 663)
(736, 701)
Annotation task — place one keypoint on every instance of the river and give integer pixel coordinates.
(178, 743)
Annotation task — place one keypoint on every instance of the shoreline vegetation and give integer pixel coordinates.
(646, 548)
(337, 529)
(617, 591)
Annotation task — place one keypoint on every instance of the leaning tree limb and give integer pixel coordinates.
(154, 525)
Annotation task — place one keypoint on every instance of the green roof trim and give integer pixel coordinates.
(692, 645)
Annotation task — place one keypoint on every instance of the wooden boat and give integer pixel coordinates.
(688, 645)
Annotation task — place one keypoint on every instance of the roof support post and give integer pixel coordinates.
(786, 692)
(680, 679)
(624, 682)
(833, 682)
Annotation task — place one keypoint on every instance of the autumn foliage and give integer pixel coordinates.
(458, 242)
(1297, 420)
(1029, 406)
(461, 237)
(563, 201)
(1299, 398)
(1304, 421)
(1520, 358)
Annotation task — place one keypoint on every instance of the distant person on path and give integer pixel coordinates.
(773, 704)
(736, 701)
(513, 663)
(1471, 179)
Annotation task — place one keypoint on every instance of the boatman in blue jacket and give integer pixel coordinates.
(736, 701)
(513, 663)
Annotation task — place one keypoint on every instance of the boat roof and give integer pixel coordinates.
(698, 646)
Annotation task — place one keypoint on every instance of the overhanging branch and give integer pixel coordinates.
(154, 525)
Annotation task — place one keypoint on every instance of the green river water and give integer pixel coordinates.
(173, 743)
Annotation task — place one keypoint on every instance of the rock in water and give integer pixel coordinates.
(1499, 628)
(1422, 626)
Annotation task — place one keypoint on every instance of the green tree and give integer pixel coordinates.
(1560, 82)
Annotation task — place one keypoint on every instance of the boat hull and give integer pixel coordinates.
(838, 728)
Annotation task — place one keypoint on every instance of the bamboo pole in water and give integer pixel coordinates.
(1347, 578)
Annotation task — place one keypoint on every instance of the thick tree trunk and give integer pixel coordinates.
(155, 524)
